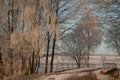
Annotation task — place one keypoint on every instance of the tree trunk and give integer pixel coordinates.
(78, 65)
(11, 30)
(38, 65)
(48, 43)
(32, 62)
(1, 62)
(87, 61)
(53, 51)
(88, 54)
(118, 51)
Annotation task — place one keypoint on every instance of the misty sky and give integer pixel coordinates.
(103, 50)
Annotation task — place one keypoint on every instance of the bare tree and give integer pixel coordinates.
(29, 27)
(22, 39)
(90, 33)
(74, 47)
(113, 37)
(57, 8)
(112, 31)
(61, 17)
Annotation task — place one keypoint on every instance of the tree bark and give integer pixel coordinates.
(78, 65)
(48, 43)
(53, 52)
(1, 62)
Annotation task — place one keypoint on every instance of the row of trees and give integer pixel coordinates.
(87, 36)
(84, 39)
(22, 40)
(30, 29)
(112, 19)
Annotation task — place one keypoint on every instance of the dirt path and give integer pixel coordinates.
(77, 74)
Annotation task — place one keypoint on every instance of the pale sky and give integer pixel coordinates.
(103, 50)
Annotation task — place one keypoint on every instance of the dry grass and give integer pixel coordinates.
(85, 77)
(95, 75)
